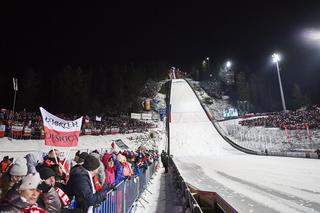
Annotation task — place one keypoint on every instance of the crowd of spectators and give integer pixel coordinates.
(48, 184)
(99, 124)
(299, 119)
(124, 123)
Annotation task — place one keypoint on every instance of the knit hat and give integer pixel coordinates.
(19, 168)
(46, 172)
(91, 163)
(83, 155)
(31, 181)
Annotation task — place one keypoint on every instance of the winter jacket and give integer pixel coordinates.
(135, 169)
(50, 201)
(4, 165)
(101, 171)
(109, 171)
(80, 186)
(119, 172)
(12, 203)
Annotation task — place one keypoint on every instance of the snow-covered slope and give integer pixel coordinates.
(249, 183)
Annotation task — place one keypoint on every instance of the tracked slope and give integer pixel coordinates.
(250, 183)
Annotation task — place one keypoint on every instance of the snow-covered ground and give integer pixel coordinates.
(19, 148)
(249, 183)
(258, 138)
(272, 139)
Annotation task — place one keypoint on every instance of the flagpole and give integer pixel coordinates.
(15, 88)
(66, 158)
(54, 154)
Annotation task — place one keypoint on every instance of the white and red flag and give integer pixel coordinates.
(59, 132)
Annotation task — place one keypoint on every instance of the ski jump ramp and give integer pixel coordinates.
(249, 183)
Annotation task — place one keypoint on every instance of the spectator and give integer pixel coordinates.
(12, 178)
(5, 164)
(299, 119)
(123, 169)
(25, 198)
(80, 160)
(101, 177)
(60, 166)
(75, 159)
(49, 198)
(109, 170)
(164, 160)
(86, 196)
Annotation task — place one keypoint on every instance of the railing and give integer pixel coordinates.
(197, 201)
(183, 190)
(128, 191)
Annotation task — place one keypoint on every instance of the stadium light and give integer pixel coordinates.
(228, 64)
(275, 59)
(210, 74)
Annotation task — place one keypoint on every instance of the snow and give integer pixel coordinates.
(258, 138)
(274, 139)
(20, 148)
(249, 183)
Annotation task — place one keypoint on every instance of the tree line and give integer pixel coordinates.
(253, 91)
(82, 89)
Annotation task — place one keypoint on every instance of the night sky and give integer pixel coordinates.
(72, 33)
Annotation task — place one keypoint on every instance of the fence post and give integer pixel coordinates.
(124, 197)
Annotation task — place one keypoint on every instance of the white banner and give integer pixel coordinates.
(60, 132)
(136, 116)
(2, 128)
(87, 131)
(146, 116)
(17, 128)
(98, 118)
(115, 130)
(27, 130)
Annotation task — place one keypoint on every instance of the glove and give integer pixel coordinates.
(114, 188)
(44, 187)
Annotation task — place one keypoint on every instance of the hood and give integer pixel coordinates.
(105, 159)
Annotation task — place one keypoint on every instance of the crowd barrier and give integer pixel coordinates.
(27, 133)
(183, 190)
(128, 191)
(197, 201)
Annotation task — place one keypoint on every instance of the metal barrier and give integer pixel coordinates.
(197, 201)
(128, 191)
(183, 190)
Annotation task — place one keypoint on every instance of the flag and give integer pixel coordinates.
(2, 130)
(59, 132)
(15, 84)
(98, 118)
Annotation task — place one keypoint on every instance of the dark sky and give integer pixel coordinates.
(51, 34)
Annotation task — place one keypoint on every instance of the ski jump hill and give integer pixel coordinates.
(249, 183)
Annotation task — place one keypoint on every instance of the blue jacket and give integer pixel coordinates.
(119, 172)
(79, 186)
